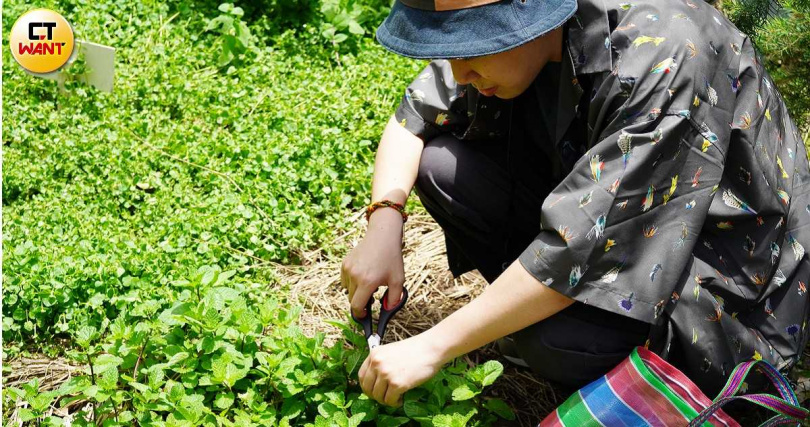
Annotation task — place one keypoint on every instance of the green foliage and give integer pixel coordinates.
(108, 199)
(227, 143)
(234, 34)
(750, 15)
(39, 402)
(340, 22)
(343, 19)
(337, 24)
(781, 32)
(784, 41)
(225, 352)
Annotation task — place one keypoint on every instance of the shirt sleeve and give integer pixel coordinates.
(619, 230)
(433, 103)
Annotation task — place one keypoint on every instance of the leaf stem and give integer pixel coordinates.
(93, 380)
(138, 362)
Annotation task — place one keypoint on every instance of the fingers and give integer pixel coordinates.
(350, 288)
(380, 387)
(367, 381)
(361, 374)
(377, 386)
(384, 391)
(360, 290)
(360, 299)
(343, 275)
(394, 293)
(393, 396)
(346, 280)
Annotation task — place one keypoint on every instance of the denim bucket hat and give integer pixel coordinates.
(448, 29)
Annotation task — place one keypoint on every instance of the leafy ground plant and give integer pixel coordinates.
(226, 353)
(185, 163)
(234, 33)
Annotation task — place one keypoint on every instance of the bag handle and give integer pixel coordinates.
(787, 407)
(778, 420)
(742, 370)
(787, 412)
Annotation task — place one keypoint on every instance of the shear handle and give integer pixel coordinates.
(386, 313)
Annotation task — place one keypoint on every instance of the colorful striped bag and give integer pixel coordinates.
(646, 390)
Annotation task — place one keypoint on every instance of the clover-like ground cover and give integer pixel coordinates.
(143, 229)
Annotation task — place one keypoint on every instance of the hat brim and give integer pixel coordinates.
(466, 33)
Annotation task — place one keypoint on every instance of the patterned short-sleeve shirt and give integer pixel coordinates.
(682, 198)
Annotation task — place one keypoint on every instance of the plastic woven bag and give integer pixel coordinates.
(646, 390)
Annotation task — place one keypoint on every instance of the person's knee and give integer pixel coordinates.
(437, 167)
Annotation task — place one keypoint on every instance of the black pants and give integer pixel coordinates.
(488, 201)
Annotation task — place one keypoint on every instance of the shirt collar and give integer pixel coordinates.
(586, 50)
(569, 93)
(589, 38)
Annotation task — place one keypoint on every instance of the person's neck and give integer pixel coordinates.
(555, 45)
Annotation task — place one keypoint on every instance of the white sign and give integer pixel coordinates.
(100, 61)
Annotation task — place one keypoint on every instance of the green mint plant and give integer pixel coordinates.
(341, 20)
(226, 354)
(112, 200)
(234, 34)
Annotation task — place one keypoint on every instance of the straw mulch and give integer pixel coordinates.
(51, 374)
(433, 295)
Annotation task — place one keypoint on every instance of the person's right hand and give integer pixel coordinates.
(375, 261)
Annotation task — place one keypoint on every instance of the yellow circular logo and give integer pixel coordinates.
(41, 41)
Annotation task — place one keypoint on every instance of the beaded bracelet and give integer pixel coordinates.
(386, 203)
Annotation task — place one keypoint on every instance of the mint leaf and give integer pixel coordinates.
(224, 400)
(390, 421)
(292, 408)
(485, 374)
(464, 392)
(499, 407)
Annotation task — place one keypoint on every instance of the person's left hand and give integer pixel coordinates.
(392, 369)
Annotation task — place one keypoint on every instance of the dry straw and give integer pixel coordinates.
(434, 295)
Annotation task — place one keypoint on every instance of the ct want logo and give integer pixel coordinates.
(32, 26)
(41, 41)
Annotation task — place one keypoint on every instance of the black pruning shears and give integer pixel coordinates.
(386, 313)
